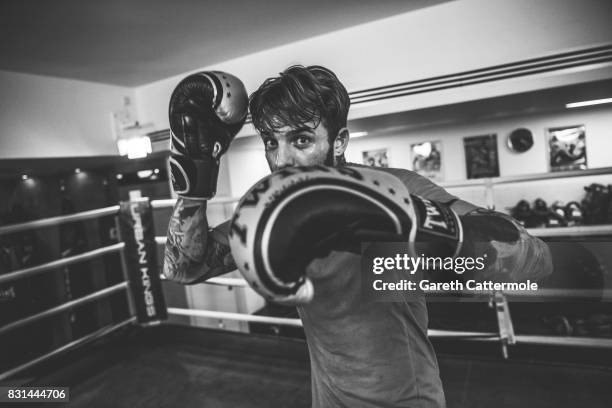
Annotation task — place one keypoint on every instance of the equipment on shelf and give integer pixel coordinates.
(541, 214)
(596, 204)
(522, 213)
(574, 214)
(594, 209)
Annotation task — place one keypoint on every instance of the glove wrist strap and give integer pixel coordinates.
(438, 228)
(194, 179)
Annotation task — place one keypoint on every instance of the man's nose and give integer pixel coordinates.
(284, 158)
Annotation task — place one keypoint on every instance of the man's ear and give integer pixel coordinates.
(341, 142)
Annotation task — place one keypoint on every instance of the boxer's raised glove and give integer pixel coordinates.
(298, 214)
(206, 111)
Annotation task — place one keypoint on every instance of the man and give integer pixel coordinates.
(363, 354)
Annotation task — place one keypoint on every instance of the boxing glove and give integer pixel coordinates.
(556, 215)
(573, 214)
(540, 211)
(522, 212)
(206, 111)
(595, 204)
(295, 215)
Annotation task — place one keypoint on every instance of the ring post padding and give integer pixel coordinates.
(136, 227)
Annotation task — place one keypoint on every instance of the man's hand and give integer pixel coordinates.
(206, 111)
(512, 255)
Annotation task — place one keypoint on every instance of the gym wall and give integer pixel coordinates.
(52, 117)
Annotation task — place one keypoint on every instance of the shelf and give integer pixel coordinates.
(527, 177)
(581, 231)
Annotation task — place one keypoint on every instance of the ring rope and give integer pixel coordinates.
(104, 331)
(64, 306)
(62, 219)
(22, 273)
(169, 202)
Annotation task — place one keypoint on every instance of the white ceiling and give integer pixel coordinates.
(134, 42)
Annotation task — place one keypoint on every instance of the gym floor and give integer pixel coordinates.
(177, 366)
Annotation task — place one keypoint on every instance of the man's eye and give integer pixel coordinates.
(302, 141)
(270, 144)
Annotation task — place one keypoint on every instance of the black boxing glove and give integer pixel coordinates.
(595, 204)
(522, 212)
(295, 215)
(206, 112)
(540, 211)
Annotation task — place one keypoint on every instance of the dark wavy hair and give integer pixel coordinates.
(300, 95)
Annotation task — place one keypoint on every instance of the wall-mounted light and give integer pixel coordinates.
(25, 177)
(77, 170)
(119, 176)
(135, 147)
(588, 103)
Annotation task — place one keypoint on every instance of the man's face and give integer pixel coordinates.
(306, 145)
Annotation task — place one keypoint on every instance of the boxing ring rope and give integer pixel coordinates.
(62, 219)
(65, 306)
(59, 263)
(120, 248)
(244, 317)
(85, 256)
(231, 282)
(435, 333)
(98, 334)
(63, 262)
(169, 202)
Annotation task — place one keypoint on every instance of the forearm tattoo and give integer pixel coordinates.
(194, 253)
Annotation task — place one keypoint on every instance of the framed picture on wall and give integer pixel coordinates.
(567, 148)
(426, 159)
(481, 157)
(376, 158)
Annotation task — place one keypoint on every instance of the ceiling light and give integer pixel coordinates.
(144, 173)
(588, 103)
(359, 134)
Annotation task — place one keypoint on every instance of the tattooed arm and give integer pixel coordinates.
(512, 255)
(194, 252)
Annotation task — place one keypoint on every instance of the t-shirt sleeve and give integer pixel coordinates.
(422, 186)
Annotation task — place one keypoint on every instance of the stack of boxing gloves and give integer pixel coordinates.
(541, 216)
(594, 209)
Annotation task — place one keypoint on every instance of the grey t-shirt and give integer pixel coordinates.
(365, 353)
